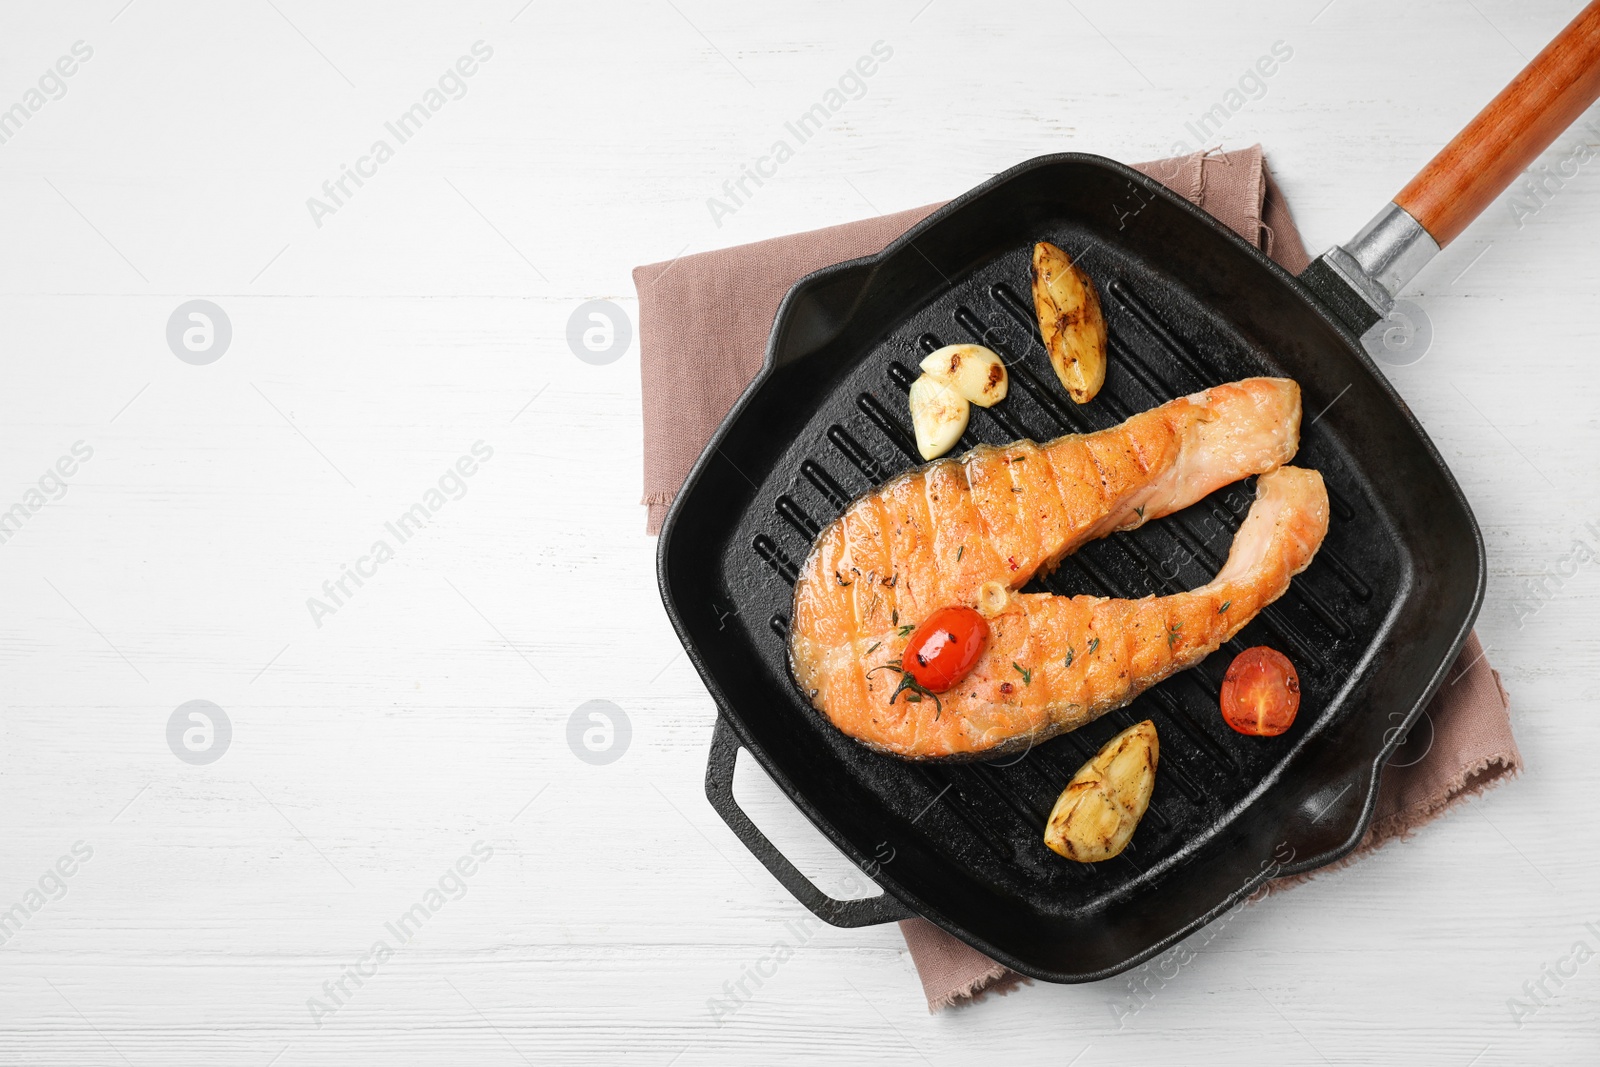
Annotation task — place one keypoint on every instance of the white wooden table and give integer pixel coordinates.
(424, 713)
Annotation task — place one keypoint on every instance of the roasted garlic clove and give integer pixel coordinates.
(1096, 814)
(938, 415)
(1070, 321)
(992, 599)
(975, 372)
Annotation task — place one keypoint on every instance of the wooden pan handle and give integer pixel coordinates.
(1508, 135)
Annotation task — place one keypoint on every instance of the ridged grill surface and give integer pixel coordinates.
(989, 816)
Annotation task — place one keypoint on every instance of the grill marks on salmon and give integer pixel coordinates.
(934, 536)
(1054, 663)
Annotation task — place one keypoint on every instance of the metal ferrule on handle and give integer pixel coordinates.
(1387, 253)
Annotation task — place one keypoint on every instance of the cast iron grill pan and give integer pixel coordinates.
(1370, 625)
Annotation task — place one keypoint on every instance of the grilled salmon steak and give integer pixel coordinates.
(935, 536)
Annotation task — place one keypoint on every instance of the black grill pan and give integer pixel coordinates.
(1372, 625)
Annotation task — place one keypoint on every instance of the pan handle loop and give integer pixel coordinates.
(719, 790)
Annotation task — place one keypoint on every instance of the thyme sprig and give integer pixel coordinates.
(918, 690)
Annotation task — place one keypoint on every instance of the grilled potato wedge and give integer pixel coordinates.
(1070, 321)
(1096, 814)
(975, 372)
(938, 415)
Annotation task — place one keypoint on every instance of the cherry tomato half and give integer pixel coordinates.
(1261, 692)
(945, 648)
